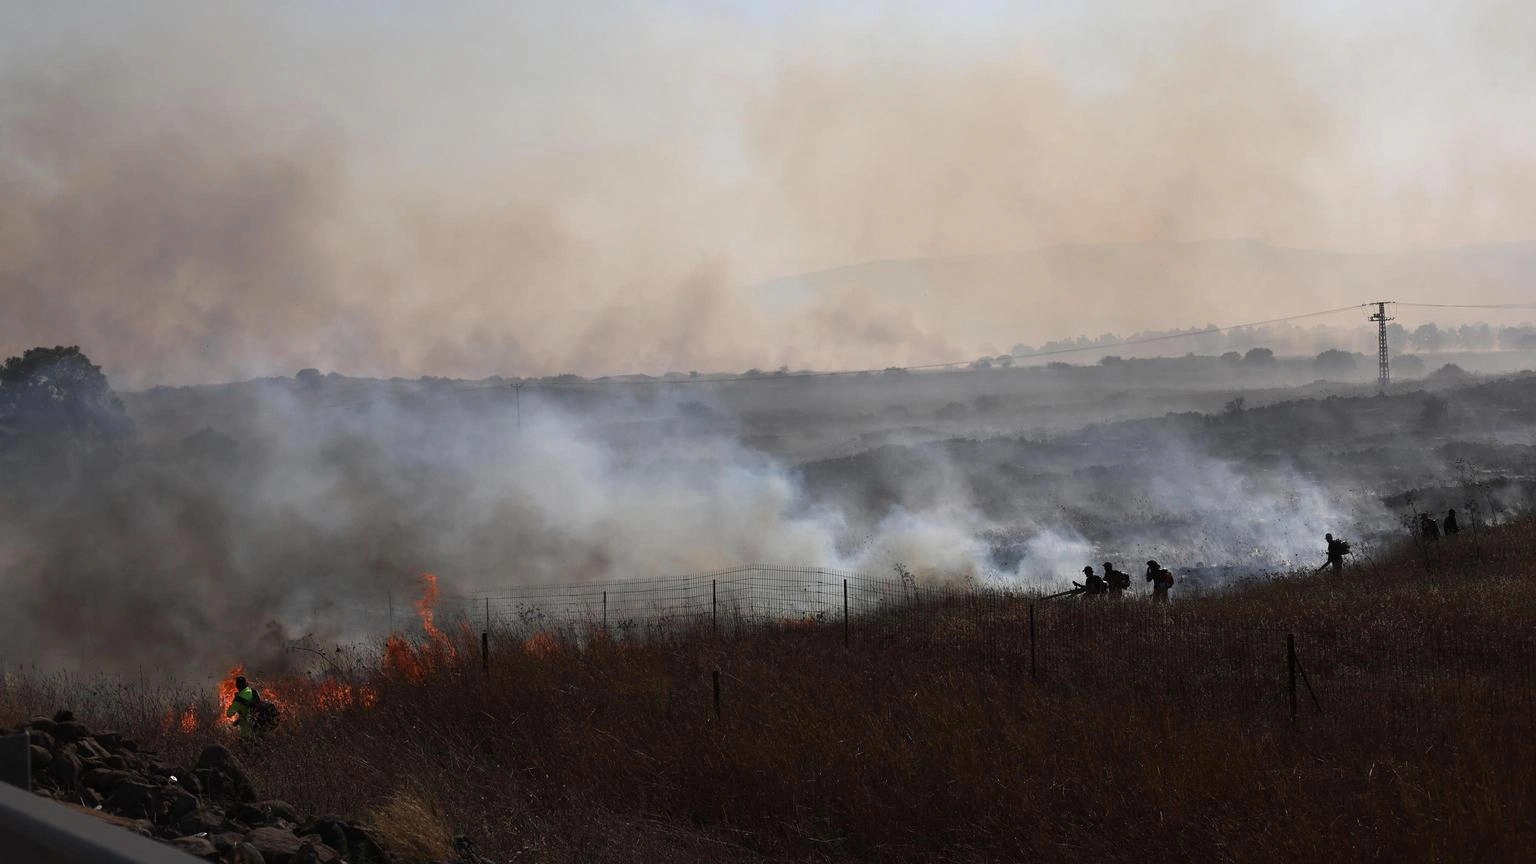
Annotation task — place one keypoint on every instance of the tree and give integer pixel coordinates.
(1335, 362)
(57, 412)
(1259, 357)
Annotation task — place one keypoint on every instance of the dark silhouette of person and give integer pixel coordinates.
(1429, 529)
(1337, 549)
(1161, 581)
(1093, 583)
(1117, 580)
(1451, 528)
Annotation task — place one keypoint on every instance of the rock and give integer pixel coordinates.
(226, 840)
(64, 716)
(104, 780)
(65, 770)
(267, 813)
(244, 853)
(41, 757)
(353, 841)
(181, 801)
(42, 739)
(312, 851)
(132, 799)
(227, 776)
(113, 741)
(88, 747)
(187, 780)
(201, 847)
(70, 730)
(276, 845)
(201, 821)
(117, 762)
(41, 724)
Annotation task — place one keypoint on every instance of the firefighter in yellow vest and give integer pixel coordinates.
(243, 707)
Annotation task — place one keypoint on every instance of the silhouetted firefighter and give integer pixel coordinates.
(1117, 580)
(1161, 581)
(1337, 549)
(1429, 529)
(1451, 528)
(1093, 584)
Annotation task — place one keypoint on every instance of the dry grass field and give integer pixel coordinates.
(1131, 732)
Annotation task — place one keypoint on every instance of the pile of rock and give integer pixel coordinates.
(211, 811)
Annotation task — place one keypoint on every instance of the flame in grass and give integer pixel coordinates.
(298, 695)
(541, 644)
(414, 662)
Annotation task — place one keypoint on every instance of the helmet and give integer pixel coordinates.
(1087, 571)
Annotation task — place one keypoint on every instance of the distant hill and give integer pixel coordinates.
(1064, 291)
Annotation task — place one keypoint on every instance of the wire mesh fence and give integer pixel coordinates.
(1400, 671)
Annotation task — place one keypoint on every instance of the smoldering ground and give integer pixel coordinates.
(308, 501)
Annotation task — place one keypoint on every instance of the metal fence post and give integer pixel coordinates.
(714, 618)
(1290, 663)
(605, 611)
(845, 613)
(717, 694)
(1031, 641)
(485, 640)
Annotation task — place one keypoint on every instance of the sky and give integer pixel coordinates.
(201, 192)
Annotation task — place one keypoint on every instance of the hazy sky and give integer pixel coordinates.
(194, 193)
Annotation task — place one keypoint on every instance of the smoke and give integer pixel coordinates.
(199, 194)
(315, 500)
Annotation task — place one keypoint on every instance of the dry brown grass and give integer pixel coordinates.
(1150, 733)
(413, 827)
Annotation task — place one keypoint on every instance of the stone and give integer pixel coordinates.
(65, 770)
(41, 724)
(64, 716)
(201, 821)
(117, 762)
(244, 853)
(42, 739)
(276, 845)
(88, 747)
(200, 847)
(181, 801)
(312, 851)
(69, 730)
(353, 841)
(104, 780)
(267, 813)
(226, 840)
(226, 774)
(113, 741)
(41, 757)
(132, 799)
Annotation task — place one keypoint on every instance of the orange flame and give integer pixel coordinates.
(414, 662)
(541, 644)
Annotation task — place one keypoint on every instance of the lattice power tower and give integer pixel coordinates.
(1383, 366)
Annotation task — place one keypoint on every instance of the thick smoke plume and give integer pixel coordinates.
(206, 194)
(318, 501)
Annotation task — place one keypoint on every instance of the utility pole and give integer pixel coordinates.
(1383, 369)
(517, 395)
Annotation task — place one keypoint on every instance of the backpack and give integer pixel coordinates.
(1163, 578)
(264, 715)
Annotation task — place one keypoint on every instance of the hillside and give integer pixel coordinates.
(1131, 732)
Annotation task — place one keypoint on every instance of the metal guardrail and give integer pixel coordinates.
(36, 830)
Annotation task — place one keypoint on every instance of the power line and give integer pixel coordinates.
(1471, 305)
